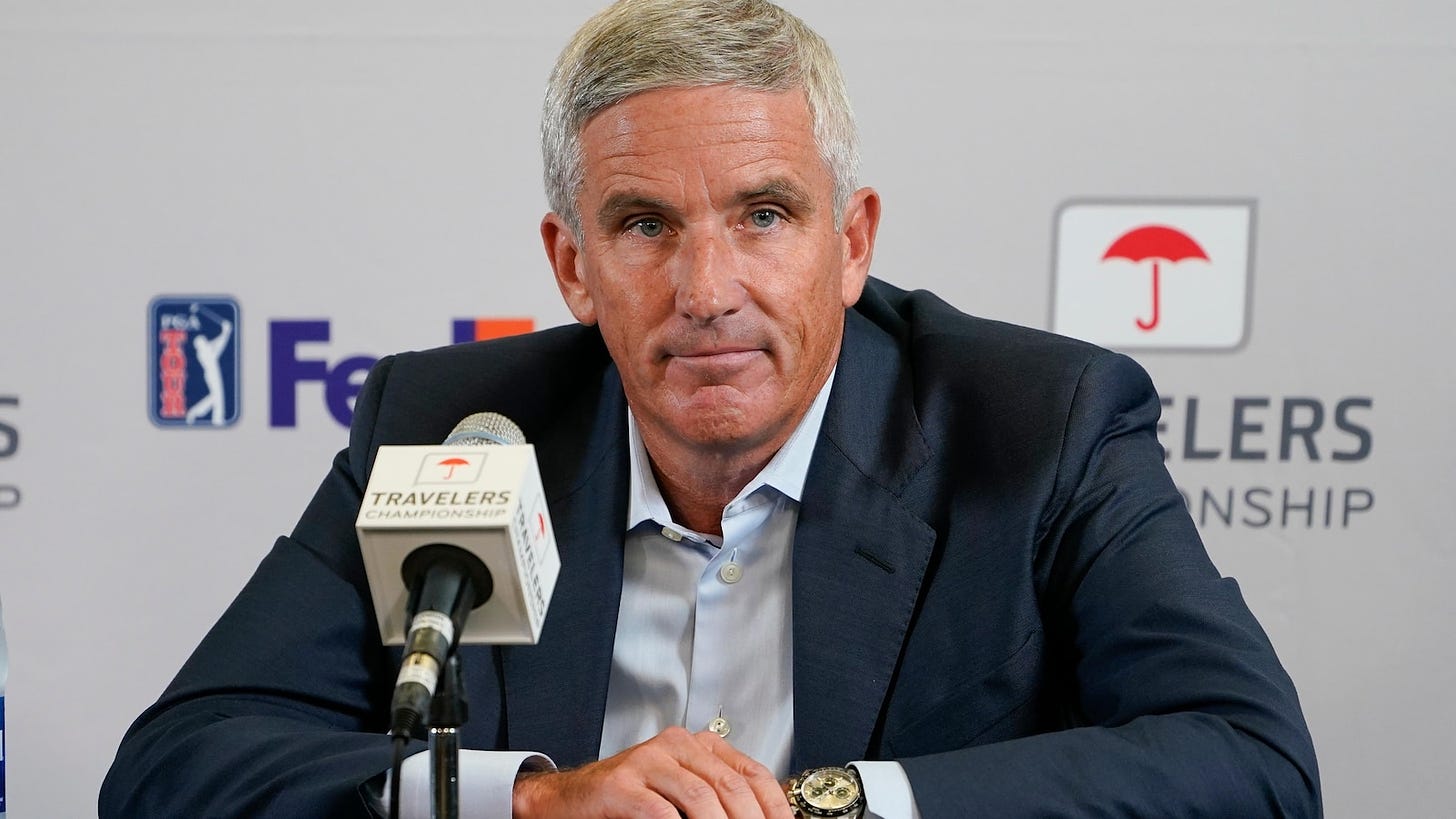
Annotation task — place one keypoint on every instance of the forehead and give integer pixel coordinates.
(702, 135)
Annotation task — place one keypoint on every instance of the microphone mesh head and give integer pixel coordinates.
(485, 429)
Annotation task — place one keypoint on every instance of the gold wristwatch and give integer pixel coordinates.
(827, 791)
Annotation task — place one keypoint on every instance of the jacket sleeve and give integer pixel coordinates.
(1179, 706)
(281, 709)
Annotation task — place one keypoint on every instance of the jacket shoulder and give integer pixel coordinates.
(923, 320)
(418, 397)
(1001, 398)
(990, 362)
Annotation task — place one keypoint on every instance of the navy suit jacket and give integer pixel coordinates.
(995, 583)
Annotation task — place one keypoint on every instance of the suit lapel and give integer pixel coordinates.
(859, 552)
(859, 557)
(573, 661)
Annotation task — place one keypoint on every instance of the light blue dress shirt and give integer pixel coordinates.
(704, 637)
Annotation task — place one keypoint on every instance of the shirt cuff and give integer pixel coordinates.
(487, 779)
(887, 790)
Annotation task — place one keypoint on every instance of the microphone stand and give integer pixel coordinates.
(448, 712)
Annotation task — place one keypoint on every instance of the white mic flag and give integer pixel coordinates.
(486, 500)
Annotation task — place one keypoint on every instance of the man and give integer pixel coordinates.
(830, 520)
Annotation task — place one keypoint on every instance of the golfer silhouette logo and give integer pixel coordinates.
(209, 356)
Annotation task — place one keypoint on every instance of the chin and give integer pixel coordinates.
(725, 427)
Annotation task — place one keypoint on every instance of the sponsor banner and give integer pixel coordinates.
(194, 362)
(1154, 274)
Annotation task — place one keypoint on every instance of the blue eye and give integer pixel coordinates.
(650, 228)
(764, 218)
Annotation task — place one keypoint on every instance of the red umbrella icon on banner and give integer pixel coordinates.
(1159, 243)
(453, 463)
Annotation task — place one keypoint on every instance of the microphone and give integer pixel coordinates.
(462, 512)
(486, 429)
(446, 583)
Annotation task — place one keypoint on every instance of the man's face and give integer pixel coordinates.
(709, 259)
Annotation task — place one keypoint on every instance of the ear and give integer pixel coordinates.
(861, 223)
(565, 257)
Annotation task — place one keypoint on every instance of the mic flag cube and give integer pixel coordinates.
(486, 500)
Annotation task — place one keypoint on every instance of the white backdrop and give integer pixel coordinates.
(374, 165)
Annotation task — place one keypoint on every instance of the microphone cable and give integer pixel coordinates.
(396, 769)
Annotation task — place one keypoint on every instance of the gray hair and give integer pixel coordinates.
(645, 45)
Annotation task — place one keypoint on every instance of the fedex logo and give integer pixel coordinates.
(288, 368)
(293, 362)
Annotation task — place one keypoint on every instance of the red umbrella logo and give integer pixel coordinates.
(452, 463)
(1160, 244)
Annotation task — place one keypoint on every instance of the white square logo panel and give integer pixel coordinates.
(1140, 275)
(451, 467)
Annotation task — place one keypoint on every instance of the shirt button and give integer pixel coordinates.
(730, 573)
(720, 727)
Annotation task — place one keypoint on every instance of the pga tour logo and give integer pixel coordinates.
(193, 362)
(1154, 274)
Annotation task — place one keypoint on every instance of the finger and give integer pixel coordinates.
(692, 795)
(767, 790)
(615, 788)
(703, 781)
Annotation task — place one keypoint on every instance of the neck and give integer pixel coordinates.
(699, 479)
(697, 486)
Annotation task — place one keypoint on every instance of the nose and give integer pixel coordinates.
(709, 285)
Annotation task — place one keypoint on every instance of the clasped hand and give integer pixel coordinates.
(674, 774)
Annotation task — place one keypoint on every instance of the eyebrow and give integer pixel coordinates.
(610, 213)
(779, 189)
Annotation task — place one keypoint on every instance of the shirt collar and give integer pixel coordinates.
(785, 472)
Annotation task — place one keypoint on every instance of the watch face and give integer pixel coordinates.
(829, 789)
